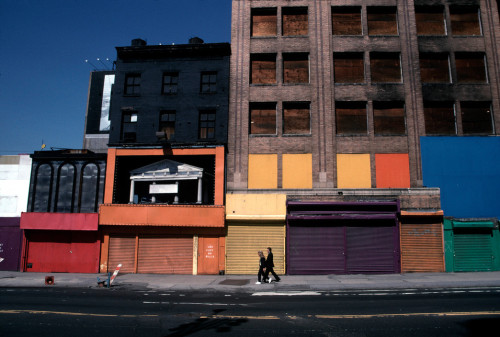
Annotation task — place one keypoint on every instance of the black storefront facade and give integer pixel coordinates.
(343, 237)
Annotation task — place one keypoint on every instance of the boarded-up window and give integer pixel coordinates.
(262, 171)
(430, 20)
(263, 118)
(465, 20)
(353, 170)
(263, 69)
(476, 118)
(434, 68)
(295, 21)
(389, 118)
(385, 67)
(296, 118)
(351, 118)
(470, 67)
(297, 170)
(349, 68)
(392, 170)
(439, 118)
(264, 22)
(346, 20)
(296, 68)
(382, 21)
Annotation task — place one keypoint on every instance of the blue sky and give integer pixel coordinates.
(44, 44)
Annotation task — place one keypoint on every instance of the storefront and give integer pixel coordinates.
(10, 243)
(60, 242)
(254, 222)
(472, 245)
(342, 238)
(422, 247)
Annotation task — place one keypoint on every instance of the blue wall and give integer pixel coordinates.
(467, 169)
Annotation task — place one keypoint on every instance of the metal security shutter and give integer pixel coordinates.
(122, 250)
(422, 248)
(315, 250)
(244, 241)
(371, 250)
(473, 250)
(160, 254)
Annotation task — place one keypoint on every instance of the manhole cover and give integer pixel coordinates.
(234, 282)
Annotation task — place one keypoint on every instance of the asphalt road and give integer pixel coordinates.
(129, 312)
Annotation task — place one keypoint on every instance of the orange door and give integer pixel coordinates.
(208, 255)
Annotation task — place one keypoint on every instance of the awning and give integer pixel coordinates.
(60, 221)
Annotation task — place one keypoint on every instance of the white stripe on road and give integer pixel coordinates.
(287, 293)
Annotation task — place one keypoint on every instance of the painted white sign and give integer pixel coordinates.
(163, 188)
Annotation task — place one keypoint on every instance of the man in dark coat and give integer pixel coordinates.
(270, 266)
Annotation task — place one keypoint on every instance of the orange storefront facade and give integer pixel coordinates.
(163, 211)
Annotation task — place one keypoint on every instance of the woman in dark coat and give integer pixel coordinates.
(262, 268)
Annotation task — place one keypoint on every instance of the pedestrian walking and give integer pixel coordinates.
(270, 266)
(262, 268)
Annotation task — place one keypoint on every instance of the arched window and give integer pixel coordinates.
(42, 189)
(89, 190)
(65, 188)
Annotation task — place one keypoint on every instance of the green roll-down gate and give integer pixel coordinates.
(472, 245)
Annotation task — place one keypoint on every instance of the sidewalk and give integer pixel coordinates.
(246, 283)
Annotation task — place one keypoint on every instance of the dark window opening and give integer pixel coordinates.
(385, 67)
(465, 20)
(264, 22)
(430, 20)
(295, 21)
(65, 189)
(346, 20)
(167, 123)
(170, 83)
(476, 118)
(351, 118)
(263, 118)
(470, 67)
(263, 69)
(439, 118)
(389, 118)
(296, 68)
(129, 126)
(207, 124)
(349, 68)
(382, 21)
(208, 82)
(296, 118)
(89, 193)
(434, 68)
(133, 84)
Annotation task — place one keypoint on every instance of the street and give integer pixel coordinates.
(135, 312)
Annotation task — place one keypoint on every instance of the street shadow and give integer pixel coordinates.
(220, 325)
(483, 327)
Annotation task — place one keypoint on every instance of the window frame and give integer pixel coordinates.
(206, 126)
(170, 84)
(208, 82)
(356, 15)
(343, 126)
(134, 88)
(253, 119)
(287, 106)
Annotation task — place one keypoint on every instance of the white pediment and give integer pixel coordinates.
(166, 170)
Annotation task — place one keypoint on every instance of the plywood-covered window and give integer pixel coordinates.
(392, 170)
(434, 68)
(264, 22)
(346, 20)
(262, 171)
(430, 20)
(295, 68)
(476, 118)
(389, 118)
(349, 67)
(295, 21)
(470, 67)
(353, 170)
(382, 21)
(263, 69)
(297, 170)
(263, 118)
(465, 20)
(351, 118)
(440, 118)
(296, 118)
(385, 67)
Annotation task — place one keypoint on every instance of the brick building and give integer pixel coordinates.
(329, 101)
